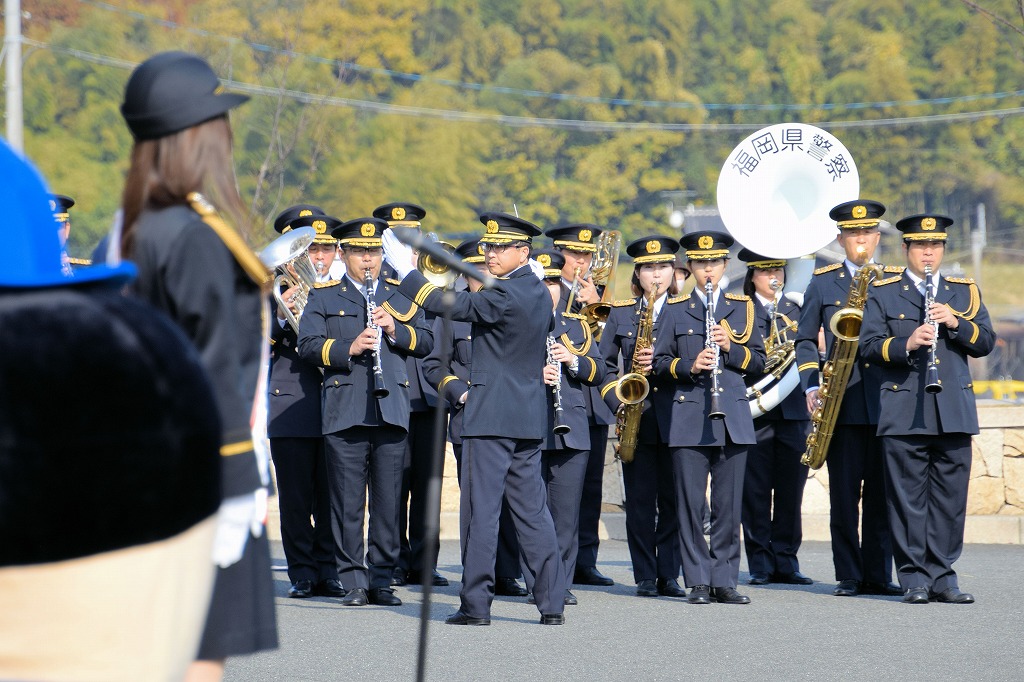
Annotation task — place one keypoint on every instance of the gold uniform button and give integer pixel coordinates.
(682, 398)
(655, 389)
(689, 331)
(902, 316)
(895, 387)
(867, 364)
(335, 382)
(277, 391)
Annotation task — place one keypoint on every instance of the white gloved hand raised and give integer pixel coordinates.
(537, 269)
(398, 255)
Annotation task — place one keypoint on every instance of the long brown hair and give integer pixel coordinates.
(164, 171)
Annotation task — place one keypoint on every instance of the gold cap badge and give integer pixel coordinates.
(480, 249)
(367, 229)
(305, 212)
(705, 242)
(928, 224)
(544, 259)
(859, 211)
(585, 235)
(492, 226)
(320, 226)
(653, 246)
(397, 213)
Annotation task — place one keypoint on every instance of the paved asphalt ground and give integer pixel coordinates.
(787, 633)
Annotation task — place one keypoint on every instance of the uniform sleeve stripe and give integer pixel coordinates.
(807, 365)
(593, 369)
(977, 331)
(885, 348)
(672, 368)
(444, 382)
(238, 448)
(422, 294)
(746, 357)
(610, 386)
(325, 352)
(412, 337)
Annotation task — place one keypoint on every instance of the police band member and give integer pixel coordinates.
(926, 431)
(773, 485)
(574, 366)
(577, 243)
(863, 560)
(365, 435)
(652, 520)
(296, 437)
(454, 383)
(701, 445)
(416, 470)
(60, 204)
(505, 421)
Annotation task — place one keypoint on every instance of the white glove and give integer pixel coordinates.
(537, 269)
(398, 255)
(234, 523)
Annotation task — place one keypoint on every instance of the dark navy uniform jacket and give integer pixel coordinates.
(597, 411)
(619, 338)
(294, 404)
(572, 332)
(506, 396)
(452, 381)
(826, 294)
(794, 406)
(334, 316)
(680, 341)
(894, 310)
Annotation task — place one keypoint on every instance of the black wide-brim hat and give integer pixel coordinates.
(172, 91)
(758, 262)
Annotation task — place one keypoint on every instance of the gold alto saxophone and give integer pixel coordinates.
(845, 324)
(632, 388)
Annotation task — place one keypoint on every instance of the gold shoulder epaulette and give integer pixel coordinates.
(737, 297)
(960, 280)
(888, 280)
(79, 261)
(677, 299)
(396, 282)
(401, 317)
(324, 285)
(828, 268)
(622, 303)
(574, 316)
(894, 268)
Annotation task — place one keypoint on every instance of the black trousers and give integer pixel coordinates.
(413, 502)
(926, 481)
(506, 560)
(564, 472)
(652, 518)
(719, 565)
(593, 494)
(492, 468)
(857, 479)
(361, 458)
(302, 493)
(773, 492)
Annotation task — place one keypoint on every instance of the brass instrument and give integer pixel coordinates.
(845, 324)
(769, 391)
(709, 322)
(573, 289)
(602, 273)
(561, 428)
(287, 256)
(379, 389)
(932, 383)
(436, 272)
(632, 389)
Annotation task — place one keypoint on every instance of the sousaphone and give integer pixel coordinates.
(774, 194)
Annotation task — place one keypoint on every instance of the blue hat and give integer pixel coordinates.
(575, 237)
(653, 248)
(400, 215)
(502, 228)
(30, 257)
(922, 227)
(365, 232)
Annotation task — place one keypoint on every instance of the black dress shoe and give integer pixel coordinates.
(384, 596)
(883, 589)
(552, 619)
(301, 589)
(355, 597)
(438, 580)
(758, 579)
(953, 595)
(508, 587)
(916, 595)
(729, 595)
(398, 577)
(570, 599)
(329, 588)
(459, 618)
(700, 594)
(794, 578)
(416, 578)
(647, 588)
(591, 576)
(847, 588)
(669, 587)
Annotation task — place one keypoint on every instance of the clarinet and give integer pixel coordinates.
(561, 428)
(709, 322)
(379, 389)
(932, 384)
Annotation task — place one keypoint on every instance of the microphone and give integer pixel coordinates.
(410, 236)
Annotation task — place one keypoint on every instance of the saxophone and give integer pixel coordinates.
(632, 388)
(845, 324)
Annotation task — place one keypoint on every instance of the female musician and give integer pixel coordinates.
(704, 349)
(199, 271)
(652, 522)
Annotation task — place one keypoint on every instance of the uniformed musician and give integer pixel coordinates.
(861, 548)
(926, 431)
(365, 434)
(773, 485)
(577, 243)
(60, 205)
(699, 444)
(505, 421)
(652, 519)
(416, 471)
(296, 437)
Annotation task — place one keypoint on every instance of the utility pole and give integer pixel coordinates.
(978, 239)
(12, 57)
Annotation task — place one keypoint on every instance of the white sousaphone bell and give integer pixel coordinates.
(774, 194)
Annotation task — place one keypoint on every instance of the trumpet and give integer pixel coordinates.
(602, 272)
(287, 256)
(709, 322)
(379, 389)
(573, 289)
(932, 383)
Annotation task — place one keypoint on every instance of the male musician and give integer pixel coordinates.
(709, 345)
(365, 435)
(454, 384)
(773, 484)
(577, 243)
(416, 470)
(926, 430)
(60, 205)
(504, 420)
(293, 426)
(863, 561)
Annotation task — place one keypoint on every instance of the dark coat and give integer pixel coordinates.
(571, 332)
(598, 412)
(793, 407)
(294, 404)
(453, 381)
